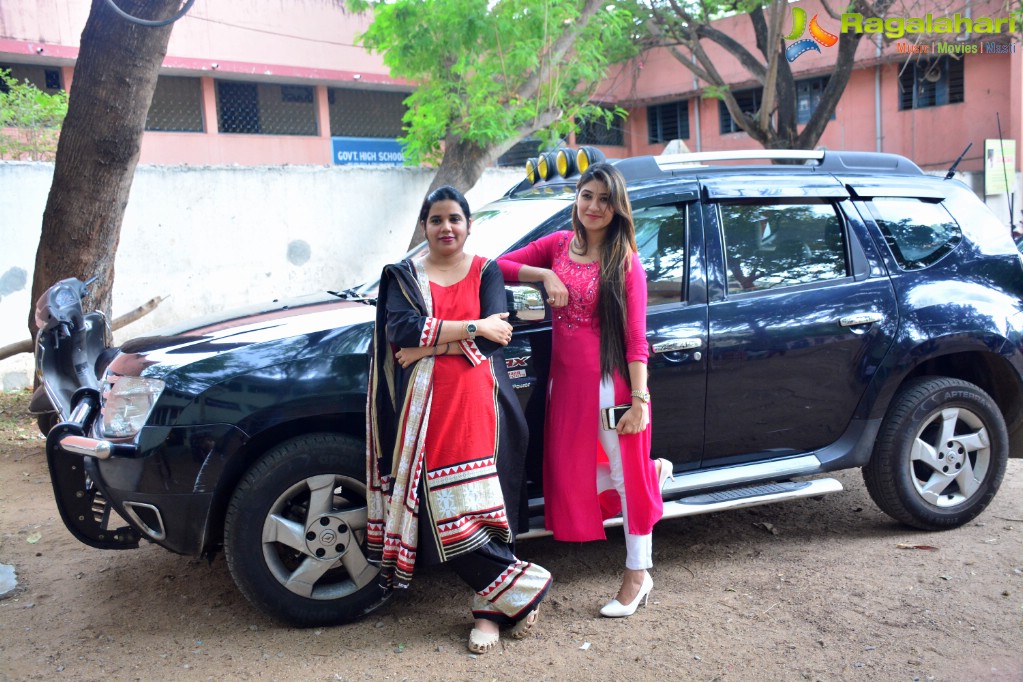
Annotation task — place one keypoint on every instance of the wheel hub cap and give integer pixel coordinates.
(951, 457)
(327, 537)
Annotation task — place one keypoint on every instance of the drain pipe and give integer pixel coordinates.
(696, 112)
(877, 95)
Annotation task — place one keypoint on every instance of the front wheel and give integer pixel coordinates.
(940, 455)
(295, 532)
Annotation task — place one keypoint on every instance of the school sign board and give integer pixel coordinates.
(366, 151)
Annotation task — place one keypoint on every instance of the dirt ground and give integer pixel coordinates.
(810, 590)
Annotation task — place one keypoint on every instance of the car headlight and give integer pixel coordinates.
(127, 405)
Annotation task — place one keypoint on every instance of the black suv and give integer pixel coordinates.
(839, 310)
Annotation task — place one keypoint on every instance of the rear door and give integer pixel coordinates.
(799, 315)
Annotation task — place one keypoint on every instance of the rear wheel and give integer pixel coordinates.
(295, 531)
(940, 455)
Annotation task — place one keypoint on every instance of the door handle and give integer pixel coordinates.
(677, 344)
(860, 319)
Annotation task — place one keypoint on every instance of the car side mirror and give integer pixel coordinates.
(526, 303)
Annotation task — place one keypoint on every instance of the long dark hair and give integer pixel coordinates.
(615, 260)
(444, 193)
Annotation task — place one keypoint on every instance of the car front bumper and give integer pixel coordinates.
(164, 488)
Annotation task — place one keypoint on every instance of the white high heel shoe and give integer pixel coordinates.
(616, 609)
(665, 472)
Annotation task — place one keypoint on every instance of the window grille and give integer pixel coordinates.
(748, 101)
(931, 82)
(667, 122)
(297, 93)
(365, 113)
(516, 156)
(177, 105)
(52, 77)
(263, 109)
(808, 96)
(596, 131)
(47, 80)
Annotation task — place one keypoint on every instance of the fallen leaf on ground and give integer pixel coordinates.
(904, 546)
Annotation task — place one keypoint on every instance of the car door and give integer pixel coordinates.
(670, 244)
(799, 319)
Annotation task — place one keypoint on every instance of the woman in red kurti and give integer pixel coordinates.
(597, 288)
(446, 433)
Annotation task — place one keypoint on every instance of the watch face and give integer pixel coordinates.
(471, 328)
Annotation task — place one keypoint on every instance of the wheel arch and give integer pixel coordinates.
(348, 424)
(991, 372)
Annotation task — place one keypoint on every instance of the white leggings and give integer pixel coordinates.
(638, 548)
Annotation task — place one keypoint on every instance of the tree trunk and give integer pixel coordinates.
(462, 166)
(114, 80)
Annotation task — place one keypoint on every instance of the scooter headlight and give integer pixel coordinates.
(127, 405)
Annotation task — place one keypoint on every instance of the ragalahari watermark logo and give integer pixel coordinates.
(998, 30)
(818, 36)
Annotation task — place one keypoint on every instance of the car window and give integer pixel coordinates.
(918, 232)
(661, 240)
(775, 245)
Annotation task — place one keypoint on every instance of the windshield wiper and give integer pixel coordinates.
(352, 295)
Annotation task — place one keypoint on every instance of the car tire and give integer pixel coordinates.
(294, 535)
(940, 455)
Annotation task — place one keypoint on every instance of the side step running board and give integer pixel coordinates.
(733, 498)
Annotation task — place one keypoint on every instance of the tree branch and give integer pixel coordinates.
(558, 51)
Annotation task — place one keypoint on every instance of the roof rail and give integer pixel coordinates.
(858, 162)
(671, 161)
(826, 160)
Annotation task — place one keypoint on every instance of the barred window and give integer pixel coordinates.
(177, 105)
(265, 108)
(808, 96)
(365, 113)
(931, 82)
(667, 122)
(597, 131)
(748, 101)
(45, 79)
(517, 156)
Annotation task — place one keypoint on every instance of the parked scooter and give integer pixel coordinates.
(71, 355)
(69, 348)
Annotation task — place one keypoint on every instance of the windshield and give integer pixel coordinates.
(497, 227)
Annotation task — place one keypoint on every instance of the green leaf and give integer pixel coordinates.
(485, 71)
(35, 117)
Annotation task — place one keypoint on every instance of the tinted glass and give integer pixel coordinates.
(773, 245)
(661, 239)
(918, 233)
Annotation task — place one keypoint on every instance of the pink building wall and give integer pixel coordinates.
(284, 41)
(313, 42)
(933, 137)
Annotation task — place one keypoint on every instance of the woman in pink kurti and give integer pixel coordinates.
(597, 288)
